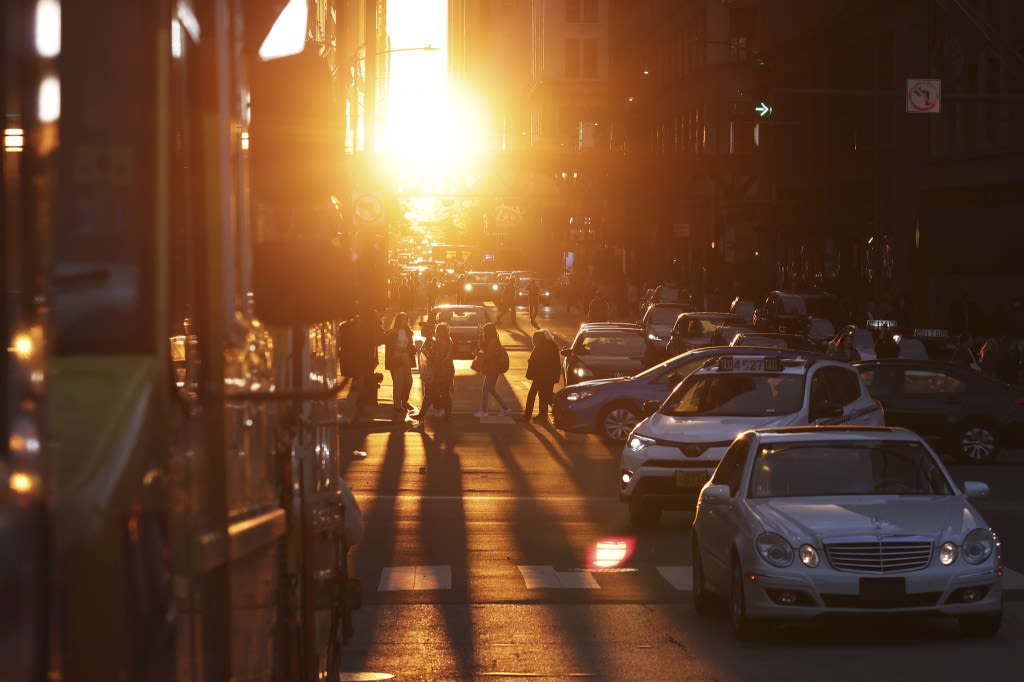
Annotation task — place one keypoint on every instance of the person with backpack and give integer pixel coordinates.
(543, 370)
(491, 361)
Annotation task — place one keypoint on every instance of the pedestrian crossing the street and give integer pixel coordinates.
(680, 577)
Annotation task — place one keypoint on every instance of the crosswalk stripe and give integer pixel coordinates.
(398, 578)
(545, 577)
(679, 577)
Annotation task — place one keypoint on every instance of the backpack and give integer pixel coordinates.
(503, 361)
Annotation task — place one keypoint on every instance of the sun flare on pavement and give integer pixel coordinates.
(429, 132)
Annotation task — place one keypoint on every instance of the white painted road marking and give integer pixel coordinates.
(544, 577)
(397, 578)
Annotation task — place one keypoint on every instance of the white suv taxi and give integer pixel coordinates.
(672, 453)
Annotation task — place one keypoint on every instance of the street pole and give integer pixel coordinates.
(370, 85)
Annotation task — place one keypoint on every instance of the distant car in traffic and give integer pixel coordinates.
(671, 454)
(479, 286)
(612, 407)
(798, 523)
(773, 340)
(960, 411)
(660, 318)
(693, 330)
(792, 311)
(605, 349)
(465, 322)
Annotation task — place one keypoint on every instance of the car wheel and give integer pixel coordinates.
(743, 628)
(617, 421)
(976, 443)
(702, 599)
(985, 625)
(644, 515)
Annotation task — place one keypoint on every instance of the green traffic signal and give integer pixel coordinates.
(763, 109)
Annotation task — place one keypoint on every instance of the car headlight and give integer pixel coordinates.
(775, 549)
(581, 372)
(576, 396)
(947, 553)
(494, 287)
(637, 442)
(809, 556)
(978, 545)
(654, 337)
(467, 287)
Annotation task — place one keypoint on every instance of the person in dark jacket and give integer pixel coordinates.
(543, 369)
(440, 372)
(886, 346)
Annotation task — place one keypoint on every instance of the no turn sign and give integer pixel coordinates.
(924, 95)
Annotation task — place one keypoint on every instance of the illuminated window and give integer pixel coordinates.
(14, 140)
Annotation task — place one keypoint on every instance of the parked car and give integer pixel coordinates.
(842, 521)
(960, 411)
(465, 322)
(671, 454)
(693, 330)
(612, 407)
(605, 349)
(773, 340)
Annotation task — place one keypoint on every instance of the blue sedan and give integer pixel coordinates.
(612, 407)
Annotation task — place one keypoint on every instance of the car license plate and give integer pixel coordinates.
(689, 480)
(883, 589)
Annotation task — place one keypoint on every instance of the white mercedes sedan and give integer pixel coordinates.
(802, 522)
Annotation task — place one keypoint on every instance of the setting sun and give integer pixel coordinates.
(429, 131)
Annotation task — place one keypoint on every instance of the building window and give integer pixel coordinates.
(590, 11)
(590, 69)
(572, 57)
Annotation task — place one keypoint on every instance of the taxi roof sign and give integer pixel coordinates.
(749, 363)
(932, 333)
(881, 324)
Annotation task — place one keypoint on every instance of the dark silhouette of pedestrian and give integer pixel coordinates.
(507, 300)
(543, 369)
(533, 299)
(963, 355)
(599, 310)
(399, 354)
(440, 373)
(886, 346)
(363, 340)
(491, 361)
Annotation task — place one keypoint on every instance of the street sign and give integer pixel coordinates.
(763, 109)
(367, 208)
(924, 95)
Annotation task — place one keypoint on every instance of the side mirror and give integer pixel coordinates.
(649, 407)
(715, 494)
(565, 352)
(976, 489)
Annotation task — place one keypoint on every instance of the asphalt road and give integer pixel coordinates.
(482, 553)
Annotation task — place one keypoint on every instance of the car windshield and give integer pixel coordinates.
(872, 467)
(736, 395)
(479, 278)
(822, 306)
(613, 344)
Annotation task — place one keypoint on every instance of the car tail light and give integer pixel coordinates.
(1019, 401)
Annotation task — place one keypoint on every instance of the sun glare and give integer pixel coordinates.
(429, 131)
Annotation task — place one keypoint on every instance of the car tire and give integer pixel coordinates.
(644, 515)
(616, 421)
(702, 599)
(975, 443)
(983, 625)
(744, 629)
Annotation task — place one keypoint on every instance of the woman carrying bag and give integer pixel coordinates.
(398, 359)
(491, 361)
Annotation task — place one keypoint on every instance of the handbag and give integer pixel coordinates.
(477, 365)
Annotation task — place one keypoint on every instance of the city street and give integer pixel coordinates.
(479, 563)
